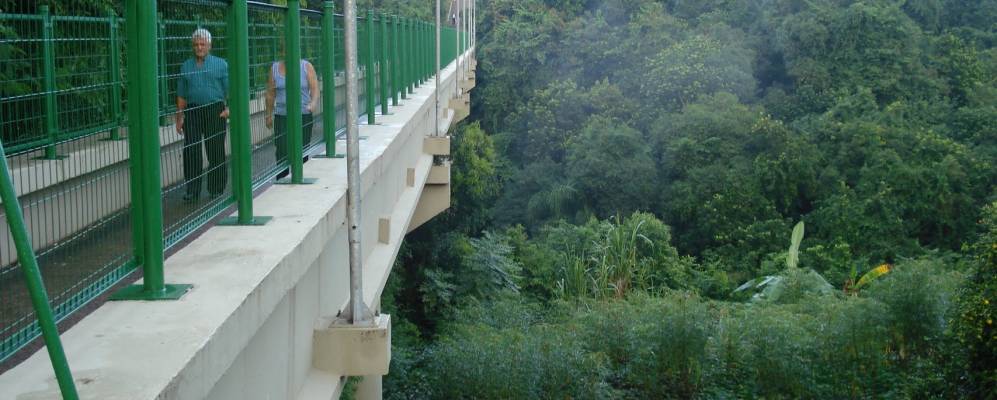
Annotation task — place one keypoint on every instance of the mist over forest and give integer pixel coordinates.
(713, 199)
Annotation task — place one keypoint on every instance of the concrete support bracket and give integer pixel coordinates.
(461, 107)
(439, 175)
(437, 145)
(353, 350)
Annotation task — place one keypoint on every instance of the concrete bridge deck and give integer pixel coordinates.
(246, 330)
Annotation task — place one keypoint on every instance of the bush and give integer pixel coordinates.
(540, 362)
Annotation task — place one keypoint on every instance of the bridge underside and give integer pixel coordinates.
(248, 328)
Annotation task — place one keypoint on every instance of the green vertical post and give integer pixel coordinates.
(396, 63)
(238, 105)
(143, 160)
(164, 83)
(409, 61)
(114, 75)
(419, 62)
(292, 75)
(329, 79)
(48, 70)
(33, 278)
(387, 64)
(429, 49)
(368, 75)
(418, 52)
(430, 52)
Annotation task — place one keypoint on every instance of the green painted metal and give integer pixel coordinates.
(292, 74)
(418, 52)
(114, 61)
(387, 65)
(413, 57)
(430, 49)
(48, 65)
(164, 84)
(143, 142)
(396, 63)
(368, 76)
(410, 56)
(238, 104)
(33, 278)
(329, 79)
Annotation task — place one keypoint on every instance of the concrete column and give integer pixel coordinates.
(369, 388)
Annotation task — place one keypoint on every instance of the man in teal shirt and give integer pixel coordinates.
(201, 115)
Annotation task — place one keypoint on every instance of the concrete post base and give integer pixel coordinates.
(352, 350)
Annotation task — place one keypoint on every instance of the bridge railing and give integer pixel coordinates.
(65, 102)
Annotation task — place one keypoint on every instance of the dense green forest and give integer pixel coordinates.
(714, 199)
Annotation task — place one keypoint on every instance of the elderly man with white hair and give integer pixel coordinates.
(201, 115)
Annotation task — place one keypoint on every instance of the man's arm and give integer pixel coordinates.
(181, 98)
(224, 81)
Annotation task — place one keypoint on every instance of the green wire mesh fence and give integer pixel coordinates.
(63, 98)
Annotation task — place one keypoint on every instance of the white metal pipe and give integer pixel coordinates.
(357, 312)
(436, 90)
(455, 7)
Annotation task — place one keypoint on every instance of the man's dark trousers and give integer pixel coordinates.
(202, 124)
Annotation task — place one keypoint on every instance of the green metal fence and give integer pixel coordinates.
(83, 178)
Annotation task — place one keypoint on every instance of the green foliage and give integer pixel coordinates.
(978, 310)
(602, 259)
(514, 363)
(644, 148)
(612, 168)
(698, 66)
(680, 346)
(919, 296)
(474, 177)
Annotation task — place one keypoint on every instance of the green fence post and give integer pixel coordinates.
(407, 69)
(48, 69)
(329, 79)
(33, 278)
(144, 153)
(427, 58)
(387, 65)
(430, 47)
(427, 52)
(396, 63)
(292, 75)
(164, 83)
(368, 75)
(418, 53)
(115, 73)
(238, 105)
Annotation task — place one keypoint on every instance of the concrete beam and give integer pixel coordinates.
(439, 175)
(437, 145)
(435, 199)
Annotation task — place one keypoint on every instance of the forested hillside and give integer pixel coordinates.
(714, 199)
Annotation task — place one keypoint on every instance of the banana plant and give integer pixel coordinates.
(793, 282)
